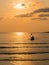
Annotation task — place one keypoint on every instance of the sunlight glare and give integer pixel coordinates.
(19, 33)
(19, 6)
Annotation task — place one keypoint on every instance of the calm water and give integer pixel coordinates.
(17, 49)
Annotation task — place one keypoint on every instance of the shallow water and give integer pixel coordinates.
(18, 49)
(24, 37)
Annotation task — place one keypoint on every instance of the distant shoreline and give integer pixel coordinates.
(23, 32)
(45, 32)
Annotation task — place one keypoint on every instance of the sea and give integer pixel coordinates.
(17, 48)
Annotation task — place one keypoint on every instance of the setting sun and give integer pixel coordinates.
(24, 15)
(19, 6)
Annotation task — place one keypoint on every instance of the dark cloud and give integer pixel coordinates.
(39, 18)
(36, 11)
(44, 15)
(41, 10)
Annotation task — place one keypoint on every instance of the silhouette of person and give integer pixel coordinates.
(32, 38)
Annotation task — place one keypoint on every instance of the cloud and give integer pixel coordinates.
(41, 10)
(23, 15)
(38, 11)
(44, 15)
(39, 18)
(33, 12)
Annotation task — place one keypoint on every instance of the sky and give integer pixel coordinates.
(24, 15)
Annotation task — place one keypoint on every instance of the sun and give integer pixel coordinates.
(19, 6)
(23, 7)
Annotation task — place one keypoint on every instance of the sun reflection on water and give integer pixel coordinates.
(19, 33)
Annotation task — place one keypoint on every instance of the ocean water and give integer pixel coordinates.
(16, 48)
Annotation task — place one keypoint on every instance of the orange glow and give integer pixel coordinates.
(19, 33)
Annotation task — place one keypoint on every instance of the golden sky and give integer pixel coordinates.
(24, 15)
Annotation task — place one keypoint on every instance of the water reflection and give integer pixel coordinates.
(6, 63)
(23, 37)
(17, 49)
(19, 33)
